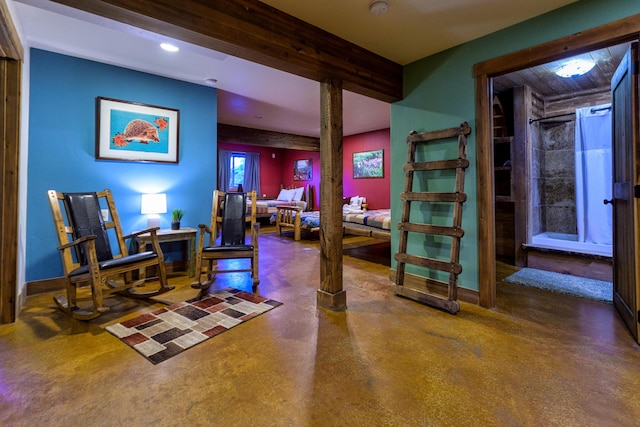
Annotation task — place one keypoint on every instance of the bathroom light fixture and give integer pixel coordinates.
(575, 68)
(378, 7)
(152, 205)
(169, 47)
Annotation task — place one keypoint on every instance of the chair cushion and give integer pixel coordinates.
(229, 248)
(118, 262)
(83, 210)
(233, 219)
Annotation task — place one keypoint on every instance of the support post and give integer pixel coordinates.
(331, 295)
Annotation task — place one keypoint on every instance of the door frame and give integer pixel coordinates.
(11, 57)
(616, 32)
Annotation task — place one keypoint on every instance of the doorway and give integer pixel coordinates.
(621, 31)
(552, 165)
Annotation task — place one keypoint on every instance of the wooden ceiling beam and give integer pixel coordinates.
(257, 32)
(620, 31)
(265, 138)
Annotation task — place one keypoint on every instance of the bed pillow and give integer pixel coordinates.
(298, 192)
(356, 202)
(285, 195)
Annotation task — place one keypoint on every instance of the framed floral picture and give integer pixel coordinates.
(135, 132)
(302, 170)
(368, 164)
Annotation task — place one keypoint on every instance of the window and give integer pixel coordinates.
(236, 170)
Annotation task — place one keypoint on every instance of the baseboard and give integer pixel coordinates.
(22, 299)
(425, 284)
(592, 267)
(45, 285)
(57, 284)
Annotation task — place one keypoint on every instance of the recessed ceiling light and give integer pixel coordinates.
(169, 47)
(211, 82)
(575, 68)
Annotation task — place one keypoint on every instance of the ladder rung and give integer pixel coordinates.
(435, 264)
(437, 165)
(431, 229)
(439, 134)
(433, 197)
(433, 300)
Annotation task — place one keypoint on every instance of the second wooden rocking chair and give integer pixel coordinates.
(229, 216)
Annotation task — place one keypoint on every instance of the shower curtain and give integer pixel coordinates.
(593, 174)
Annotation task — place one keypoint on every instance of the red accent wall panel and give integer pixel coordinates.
(286, 177)
(376, 190)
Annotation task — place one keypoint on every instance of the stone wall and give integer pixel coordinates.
(557, 180)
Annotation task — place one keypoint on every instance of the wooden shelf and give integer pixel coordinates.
(504, 199)
(503, 140)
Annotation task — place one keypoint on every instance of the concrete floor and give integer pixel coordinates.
(538, 359)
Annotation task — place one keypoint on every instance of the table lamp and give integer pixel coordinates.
(152, 205)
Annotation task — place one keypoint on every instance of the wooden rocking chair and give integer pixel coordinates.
(228, 215)
(87, 255)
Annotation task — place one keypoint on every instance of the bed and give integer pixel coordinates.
(267, 208)
(372, 223)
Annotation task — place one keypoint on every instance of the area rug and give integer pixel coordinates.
(171, 330)
(564, 283)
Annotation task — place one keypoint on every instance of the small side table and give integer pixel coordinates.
(185, 234)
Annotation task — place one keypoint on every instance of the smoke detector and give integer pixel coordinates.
(378, 7)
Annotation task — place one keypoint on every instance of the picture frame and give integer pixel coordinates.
(302, 170)
(135, 132)
(368, 164)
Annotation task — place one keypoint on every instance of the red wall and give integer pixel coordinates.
(286, 177)
(376, 190)
(276, 168)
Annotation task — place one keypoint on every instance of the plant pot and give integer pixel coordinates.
(175, 225)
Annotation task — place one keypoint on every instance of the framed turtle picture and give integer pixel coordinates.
(134, 132)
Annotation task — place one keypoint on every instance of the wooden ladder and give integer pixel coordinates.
(455, 232)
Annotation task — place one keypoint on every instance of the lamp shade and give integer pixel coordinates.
(153, 204)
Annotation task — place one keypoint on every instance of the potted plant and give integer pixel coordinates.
(176, 216)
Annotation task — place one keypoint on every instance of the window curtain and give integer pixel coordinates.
(252, 172)
(224, 157)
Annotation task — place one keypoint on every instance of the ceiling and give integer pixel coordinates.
(255, 96)
(543, 80)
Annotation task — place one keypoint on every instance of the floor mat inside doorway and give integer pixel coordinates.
(563, 283)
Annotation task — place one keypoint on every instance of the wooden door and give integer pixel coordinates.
(624, 96)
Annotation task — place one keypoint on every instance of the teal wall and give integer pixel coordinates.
(62, 108)
(440, 93)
